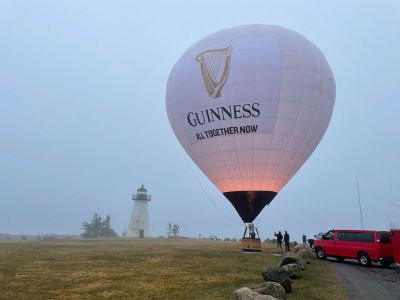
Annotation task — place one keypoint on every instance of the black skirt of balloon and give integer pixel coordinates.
(249, 204)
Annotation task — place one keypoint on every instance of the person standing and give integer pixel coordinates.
(286, 239)
(252, 232)
(304, 240)
(279, 238)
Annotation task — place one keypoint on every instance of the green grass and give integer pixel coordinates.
(145, 269)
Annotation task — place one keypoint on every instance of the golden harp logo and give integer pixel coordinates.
(215, 65)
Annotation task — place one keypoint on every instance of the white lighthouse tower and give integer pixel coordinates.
(139, 223)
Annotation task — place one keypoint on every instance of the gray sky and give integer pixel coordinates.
(83, 121)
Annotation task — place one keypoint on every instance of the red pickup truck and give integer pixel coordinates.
(364, 245)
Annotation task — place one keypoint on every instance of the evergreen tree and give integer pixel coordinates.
(97, 227)
(106, 230)
(175, 230)
(169, 230)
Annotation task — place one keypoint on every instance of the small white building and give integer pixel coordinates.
(139, 223)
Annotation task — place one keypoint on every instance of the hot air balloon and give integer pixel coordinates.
(249, 105)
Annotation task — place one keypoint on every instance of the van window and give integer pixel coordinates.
(366, 237)
(343, 236)
(385, 237)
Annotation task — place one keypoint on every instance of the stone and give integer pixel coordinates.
(293, 258)
(288, 258)
(298, 247)
(304, 254)
(246, 293)
(310, 254)
(292, 269)
(279, 276)
(270, 288)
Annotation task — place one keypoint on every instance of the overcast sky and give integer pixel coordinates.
(83, 121)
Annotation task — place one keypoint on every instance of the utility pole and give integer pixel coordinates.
(359, 204)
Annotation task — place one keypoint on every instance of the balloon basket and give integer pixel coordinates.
(251, 245)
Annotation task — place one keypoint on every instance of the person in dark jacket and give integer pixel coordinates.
(304, 239)
(286, 239)
(279, 238)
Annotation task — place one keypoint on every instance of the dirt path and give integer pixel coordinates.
(374, 282)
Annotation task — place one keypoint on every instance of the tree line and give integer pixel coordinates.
(99, 227)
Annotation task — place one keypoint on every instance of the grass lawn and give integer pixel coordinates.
(145, 269)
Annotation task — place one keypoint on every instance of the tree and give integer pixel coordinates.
(97, 227)
(175, 230)
(169, 230)
(106, 230)
(92, 228)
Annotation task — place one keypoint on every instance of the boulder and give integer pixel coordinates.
(304, 254)
(292, 269)
(293, 258)
(298, 247)
(279, 276)
(288, 258)
(310, 254)
(248, 294)
(270, 288)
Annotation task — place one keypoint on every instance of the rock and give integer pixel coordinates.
(293, 258)
(304, 254)
(270, 288)
(248, 294)
(311, 253)
(292, 269)
(280, 276)
(288, 258)
(298, 247)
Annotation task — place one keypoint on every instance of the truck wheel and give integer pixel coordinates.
(364, 259)
(320, 253)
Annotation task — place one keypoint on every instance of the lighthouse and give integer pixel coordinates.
(139, 223)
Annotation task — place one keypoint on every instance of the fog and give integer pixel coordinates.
(83, 121)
